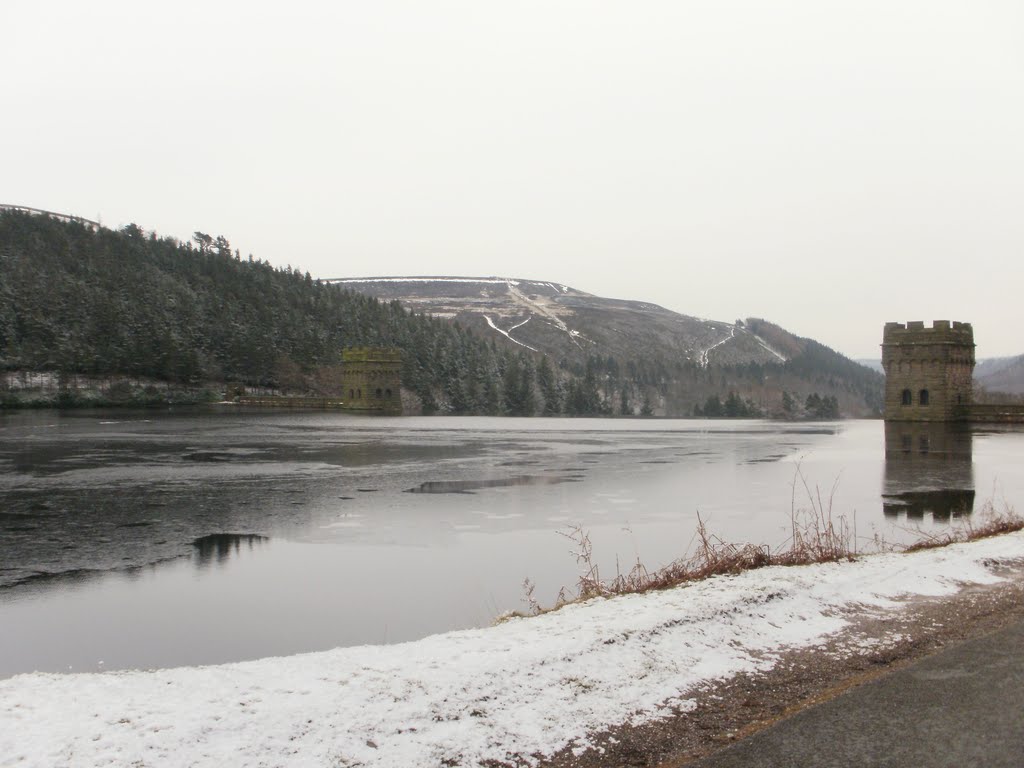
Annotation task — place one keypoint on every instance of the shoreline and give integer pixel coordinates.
(729, 710)
(682, 670)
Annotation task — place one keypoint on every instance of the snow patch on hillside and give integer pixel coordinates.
(702, 358)
(486, 280)
(536, 305)
(544, 311)
(767, 347)
(507, 333)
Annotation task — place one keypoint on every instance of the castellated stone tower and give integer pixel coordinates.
(371, 380)
(928, 371)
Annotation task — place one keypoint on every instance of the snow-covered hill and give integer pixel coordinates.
(565, 322)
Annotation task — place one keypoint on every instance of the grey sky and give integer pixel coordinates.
(724, 159)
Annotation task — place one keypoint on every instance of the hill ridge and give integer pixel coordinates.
(681, 353)
(415, 292)
(109, 304)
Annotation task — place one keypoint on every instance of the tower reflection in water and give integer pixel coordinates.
(928, 469)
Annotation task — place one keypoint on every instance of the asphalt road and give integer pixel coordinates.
(961, 707)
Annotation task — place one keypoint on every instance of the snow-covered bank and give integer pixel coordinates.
(525, 687)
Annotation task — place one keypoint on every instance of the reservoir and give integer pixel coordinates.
(150, 539)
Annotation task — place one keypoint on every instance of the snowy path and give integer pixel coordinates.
(526, 687)
(517, 296)
(768, 348)
(544, 312)
(507, 334)
(702, 359)
(483, 280)
(519, 325)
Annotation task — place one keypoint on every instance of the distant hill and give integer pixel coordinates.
(124, 309)
(567, 323)
(688, 359)
(993, 375)
(1001, 374)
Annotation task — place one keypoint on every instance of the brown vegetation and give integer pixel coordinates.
(816, 536)
(992, 523)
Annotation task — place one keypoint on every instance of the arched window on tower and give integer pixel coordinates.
(908, 398)
(924, 397)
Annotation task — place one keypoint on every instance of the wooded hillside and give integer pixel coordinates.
(75, 300)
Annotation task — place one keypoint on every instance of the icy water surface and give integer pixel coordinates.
(145, 539)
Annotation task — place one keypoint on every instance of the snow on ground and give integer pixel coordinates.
(542, 309)
(523, 688)
(487, 280)
(702, 359)
(507, 333)
(519, 325)
(768, 347)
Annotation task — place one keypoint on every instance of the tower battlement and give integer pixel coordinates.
(370, 355)
(941, 331)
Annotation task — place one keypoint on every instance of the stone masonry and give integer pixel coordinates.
(371, 380)
(928, 371)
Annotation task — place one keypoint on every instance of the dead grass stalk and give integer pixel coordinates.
(816, 535)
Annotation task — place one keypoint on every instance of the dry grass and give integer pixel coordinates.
(991, 522)
(816, 536)
(712, 557)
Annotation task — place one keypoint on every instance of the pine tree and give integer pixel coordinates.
(547, 382)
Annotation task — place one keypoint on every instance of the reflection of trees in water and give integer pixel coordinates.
(220, 546)
(928, 468)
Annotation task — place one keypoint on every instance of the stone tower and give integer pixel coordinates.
(928, 371)
(371, 380)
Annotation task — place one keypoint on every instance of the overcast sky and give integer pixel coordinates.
(826, 165)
